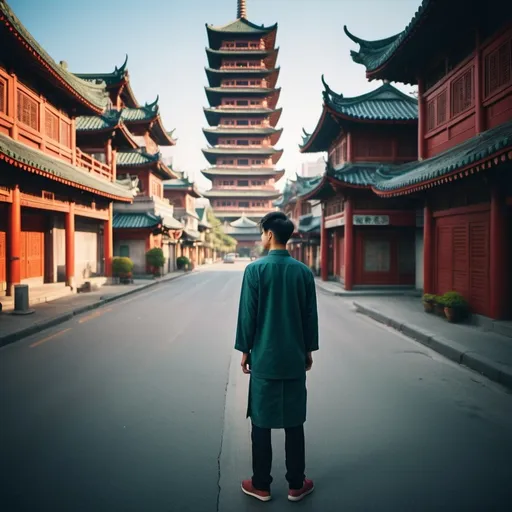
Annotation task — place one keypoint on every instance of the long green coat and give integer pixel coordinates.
(277, 326)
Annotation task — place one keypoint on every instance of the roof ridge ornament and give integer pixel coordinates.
(122, 70)
(241, 12)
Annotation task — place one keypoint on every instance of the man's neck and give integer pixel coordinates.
(278, 247)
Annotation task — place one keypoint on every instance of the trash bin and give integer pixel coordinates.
(21, 302)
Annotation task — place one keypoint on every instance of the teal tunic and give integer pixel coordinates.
(277, 326)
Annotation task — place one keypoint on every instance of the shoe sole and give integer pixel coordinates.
(301, 497)
(257, 496)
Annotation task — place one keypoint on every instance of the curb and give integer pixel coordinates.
(450, 349)
(56, 320)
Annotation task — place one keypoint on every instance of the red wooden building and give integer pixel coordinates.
(243, 114)
(366, 240)
(464, 175)
(130, 136)
(55, 201)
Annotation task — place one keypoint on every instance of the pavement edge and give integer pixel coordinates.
(446, 347)
(52, 322)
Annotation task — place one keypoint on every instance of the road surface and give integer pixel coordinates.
(140, 406)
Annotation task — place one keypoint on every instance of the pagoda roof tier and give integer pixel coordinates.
(309, 223)
(385, 104)
(115, 80)
(211, 154)
(214, 115)
(235, 214)
(212, 172)
(430, 32)
(212, 134)
(85, 97)
(241, 28)
(294, 189)
(183, 184)
(216, 94)
(232, 193)
(215, 57)
(215, 76)
(92, 128)
(138, 158)
(35, 161)
(144, 220)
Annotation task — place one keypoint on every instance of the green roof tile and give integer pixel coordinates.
(60, 169)
(477, 148)
(135, 158)
(309, 223)
(111, 78)
(135, 220)
(94, 94)
(241, 26)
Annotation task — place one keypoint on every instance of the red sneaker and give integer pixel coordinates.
(300, 494)
(248, 488)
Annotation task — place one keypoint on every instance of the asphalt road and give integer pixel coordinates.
(140, 406)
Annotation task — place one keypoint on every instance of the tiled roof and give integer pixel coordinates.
(213, 115)
(479, 148)
(373, 54)
(262, 171)
(93, 94)
(241, 26)
(358, 174)
(242, 150)
(53, 168)
(109, 119)
(178, 183)
(383, 104)
(111, 78)
(242, 131)
(147, 112)
(244, 222)
(309, 223)
(135, 220)
(135, 158)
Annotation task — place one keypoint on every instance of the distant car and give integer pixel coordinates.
(229, 258)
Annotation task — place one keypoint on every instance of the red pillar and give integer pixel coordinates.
(14, 242)
(428, 250)
(108, 242)
(324, 249)
(498, 264)
(348, 245)
(70, 245)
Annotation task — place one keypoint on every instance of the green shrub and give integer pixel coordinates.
(454, 300)
(121, 266)
(430, 298)
(155, 258)
(183, 262)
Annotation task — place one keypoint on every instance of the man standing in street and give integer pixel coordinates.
(277, 332)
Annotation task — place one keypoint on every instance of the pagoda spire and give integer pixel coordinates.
(242, 9)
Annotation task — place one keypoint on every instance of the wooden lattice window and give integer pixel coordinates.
(431, 115)
(51, 122)
(441, 108)
(3, 90)
(498, 68)
(65, 134)
(462, 93)
(28, 110)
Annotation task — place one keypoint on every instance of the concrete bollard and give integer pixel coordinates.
(21, 302)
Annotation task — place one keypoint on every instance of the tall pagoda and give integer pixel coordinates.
(242, 118)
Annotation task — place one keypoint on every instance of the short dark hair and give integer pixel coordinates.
(279, 224)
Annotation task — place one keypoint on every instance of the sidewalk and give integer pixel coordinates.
(488, 353)
(335, 288)
(48, 314)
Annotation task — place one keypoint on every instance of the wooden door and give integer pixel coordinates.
(462, 258)
(32, 254)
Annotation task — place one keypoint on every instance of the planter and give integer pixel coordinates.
(452, 314)
(439, 309)
(125, 278)
(428, 307)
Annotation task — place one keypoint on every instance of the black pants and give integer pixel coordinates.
(262, 457)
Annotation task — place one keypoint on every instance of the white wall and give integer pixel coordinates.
(137, 249)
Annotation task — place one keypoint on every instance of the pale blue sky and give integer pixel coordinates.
(165, 42)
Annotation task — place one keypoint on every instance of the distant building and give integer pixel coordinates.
(312, 169)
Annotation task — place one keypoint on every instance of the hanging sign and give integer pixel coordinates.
(371, 220)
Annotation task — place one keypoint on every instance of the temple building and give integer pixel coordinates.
(304, 245)
(56, 202)
(366, 240)
(242, 115)
(463, 178)
(130, 135)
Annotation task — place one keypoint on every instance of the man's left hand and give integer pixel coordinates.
(245, 363)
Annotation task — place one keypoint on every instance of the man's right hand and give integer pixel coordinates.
(309, 361)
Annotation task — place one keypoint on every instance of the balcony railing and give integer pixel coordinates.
(92, 165)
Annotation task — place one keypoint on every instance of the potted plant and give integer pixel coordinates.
(439, 305)
(183, 263)
(122, 269)
(156, 260)
(429, 302)
(455, 306)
